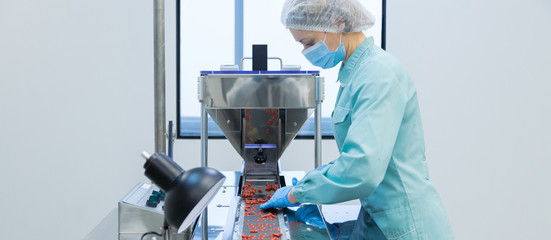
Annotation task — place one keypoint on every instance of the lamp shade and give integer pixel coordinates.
(187, 192)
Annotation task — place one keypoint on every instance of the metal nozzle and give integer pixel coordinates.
(145, 155)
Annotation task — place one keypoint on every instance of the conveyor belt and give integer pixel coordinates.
(245, 220)
(254, 222)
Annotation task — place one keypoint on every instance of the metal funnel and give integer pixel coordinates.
(260, 107)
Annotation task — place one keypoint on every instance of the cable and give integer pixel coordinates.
(148, 233)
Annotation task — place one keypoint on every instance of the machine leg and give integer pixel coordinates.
(317, 135)
(204, 163)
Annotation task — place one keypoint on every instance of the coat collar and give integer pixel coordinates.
(346, 69)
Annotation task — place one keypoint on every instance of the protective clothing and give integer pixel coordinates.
(320, 55)
(295, 180)
(336, 16)
(378, 130)
(279, 199)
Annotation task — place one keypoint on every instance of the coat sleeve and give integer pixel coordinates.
(379, 101)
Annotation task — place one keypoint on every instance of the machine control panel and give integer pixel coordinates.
(155, 198)
(147, 196)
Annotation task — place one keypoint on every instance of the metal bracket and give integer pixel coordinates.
(320, 88)
(200, 87)
(276, 58)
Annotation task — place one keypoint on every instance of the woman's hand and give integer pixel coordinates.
(282, 198)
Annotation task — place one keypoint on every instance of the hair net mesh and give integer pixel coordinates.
(337, 16)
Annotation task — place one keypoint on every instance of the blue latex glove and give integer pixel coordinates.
(279, 200)
(333, 230)
(295, 180)
(309, 214)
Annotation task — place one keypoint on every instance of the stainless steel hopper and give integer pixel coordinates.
(260, 113)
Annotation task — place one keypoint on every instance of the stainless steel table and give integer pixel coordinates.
(107, 229)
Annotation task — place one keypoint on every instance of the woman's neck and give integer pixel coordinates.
(351, 41)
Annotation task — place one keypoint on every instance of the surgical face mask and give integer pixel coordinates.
(320, 55)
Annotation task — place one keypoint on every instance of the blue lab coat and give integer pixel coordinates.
(378, 130)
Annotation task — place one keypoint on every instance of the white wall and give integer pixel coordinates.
(76, 110)
(483, 74)
(76, 103)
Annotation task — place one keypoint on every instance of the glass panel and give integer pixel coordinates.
(207, 41)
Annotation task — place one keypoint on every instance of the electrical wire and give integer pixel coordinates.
(149, 233)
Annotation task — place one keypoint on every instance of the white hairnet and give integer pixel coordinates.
(336, 16)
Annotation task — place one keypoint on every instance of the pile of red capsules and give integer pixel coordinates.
(272, 122)
(264, 224)
(250, 192)
(275, 116)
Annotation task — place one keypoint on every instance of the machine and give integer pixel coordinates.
(260, 113)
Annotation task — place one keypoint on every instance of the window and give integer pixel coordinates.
(213, 44)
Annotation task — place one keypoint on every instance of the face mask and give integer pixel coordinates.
(319, 54)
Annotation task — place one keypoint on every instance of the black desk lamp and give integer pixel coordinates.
(187, 192)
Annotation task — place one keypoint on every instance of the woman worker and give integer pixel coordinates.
(377, 127)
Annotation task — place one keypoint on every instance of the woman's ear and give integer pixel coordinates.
(338, 22)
